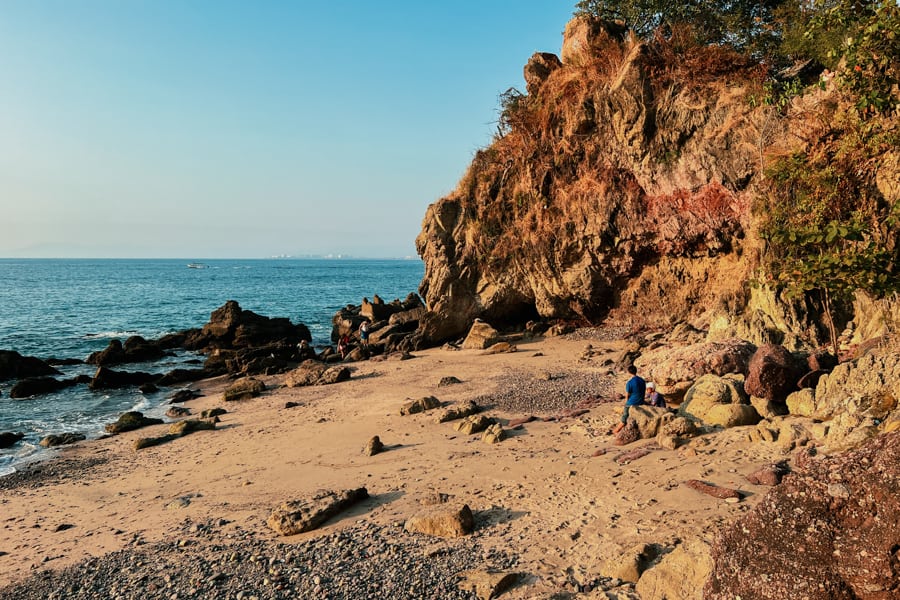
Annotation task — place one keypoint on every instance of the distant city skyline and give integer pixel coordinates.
(229, 129)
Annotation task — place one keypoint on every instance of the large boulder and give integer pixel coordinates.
(481, 335)
(715, 400)
(772, 373)
(37, 386)
(830, 531)
(648, 419)
(538, 69)
(243, 389)
(15, 366)
(8, 438)
(135, 349)
(674, 370)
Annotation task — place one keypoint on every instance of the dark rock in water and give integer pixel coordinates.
(135, 349)
(37, 386)
(63, 362)
(772, 373)
(830, 531)
(113, 354)
(129, 421)
(230, 326)
(8, 438)
(184, 396)
(148, 388)
(176, 376)
(106, 378)
(62, 439)
(15, 366)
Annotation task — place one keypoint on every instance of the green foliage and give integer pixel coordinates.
(512, 104)
(777, 94)
(747, 25)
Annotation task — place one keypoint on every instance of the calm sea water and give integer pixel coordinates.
(70, 308)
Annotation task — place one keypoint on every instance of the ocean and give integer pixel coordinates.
(70, 308)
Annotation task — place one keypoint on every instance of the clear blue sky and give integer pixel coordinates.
(194, 129)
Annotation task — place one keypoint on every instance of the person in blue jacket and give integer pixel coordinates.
(635, 390)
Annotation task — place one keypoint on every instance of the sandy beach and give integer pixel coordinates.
(549, 503)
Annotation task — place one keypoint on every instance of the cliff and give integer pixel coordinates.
(623, 182)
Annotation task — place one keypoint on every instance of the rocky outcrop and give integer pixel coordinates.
(675, 369)
(831, 530)
(391, 325)
(231, 327)
(130, 421)
(719, 401)
(135, 349)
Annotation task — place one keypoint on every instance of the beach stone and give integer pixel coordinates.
(500, 348)
(130, 421)
(869, 385)
(830, 546)
(731, 415)
(307, 373)
(628, 434)
(811, 379)
(680, 574)
(487, 584)
(442, 521)
(243, 389)
(187, 426)
(769, 475)
(450, 380)
(177, 412)
(148, 388)
(419, 405)
(473, 424)
(211, 413)
(459, 411)
(62, 439)
(147, 442)
(802, 403)
(373, 446)
(9, 438)
(298, 516)
(481, 335)
(184, 395)
(335, 374)
(629, 565)
(434, 499)
(494, 434)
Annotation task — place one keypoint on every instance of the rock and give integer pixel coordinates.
(243, 389)
(648, 419)
(184, 396)
(9, 438)
(810, 379)
(434, 499)
(148, 442)
(130, 421)
(62, 439)
(459, 411)
(298, 516)
(176, 412)
(231, 327)
(481, 335)
(538, 69)
(584, 35)
(335, 374)
(36, 386)
(830, 530)
(373, 446)
(15, 366)
(769, 475)
(148, 388)
(500, 348)
(308, 373)
(106, 378)
(445, 381)
(680, 574)
(494, 434)
(211, 413)
(188, 426)
(772, 373)
(420, 405)
(679, 426)
(629, 565)
(178, 376)
(768, 409)
(802, 403)
(675, 370)
(720, 401)
(135, 349)
(722, 493)
(628, 434)
(487, 584)
(442, 521)
(868, 385)
(821, 361)
(473, 424)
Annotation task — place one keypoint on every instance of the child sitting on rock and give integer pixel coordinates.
(654, 398)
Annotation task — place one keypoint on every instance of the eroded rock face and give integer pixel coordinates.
(830, 531)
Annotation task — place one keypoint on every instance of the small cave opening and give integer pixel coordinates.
(512, 315)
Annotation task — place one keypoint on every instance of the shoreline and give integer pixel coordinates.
(540, 498)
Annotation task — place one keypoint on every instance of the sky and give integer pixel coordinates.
(247, 129)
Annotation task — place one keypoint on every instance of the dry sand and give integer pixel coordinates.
(540, 495)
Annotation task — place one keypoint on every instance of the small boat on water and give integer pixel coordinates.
(196, 265)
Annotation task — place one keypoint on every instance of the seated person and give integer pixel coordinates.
(654, 398)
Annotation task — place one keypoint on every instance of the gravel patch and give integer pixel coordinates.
(35, 475)
(364, 561)
(529, 393)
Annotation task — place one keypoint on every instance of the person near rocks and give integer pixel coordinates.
(635, 390)
(364, 334)
(344, 345)
(304, 350)
(654, 398)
